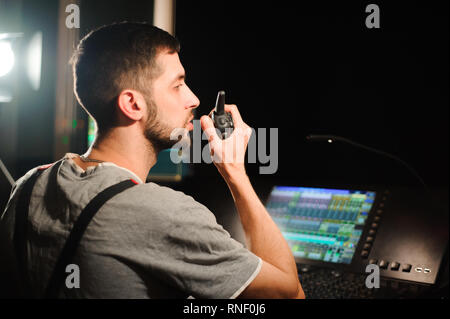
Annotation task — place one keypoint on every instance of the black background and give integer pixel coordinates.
(314, 67)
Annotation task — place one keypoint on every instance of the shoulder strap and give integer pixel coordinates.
(21, 226)
(70, 247)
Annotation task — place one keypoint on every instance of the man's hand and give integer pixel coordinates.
(229, 154)
(278, 277)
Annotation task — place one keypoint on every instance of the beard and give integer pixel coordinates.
(158, 133)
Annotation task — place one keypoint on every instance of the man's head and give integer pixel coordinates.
(126, 69)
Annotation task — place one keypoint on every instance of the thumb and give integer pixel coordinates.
(208, 127)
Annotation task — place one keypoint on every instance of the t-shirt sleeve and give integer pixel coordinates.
(186, 248)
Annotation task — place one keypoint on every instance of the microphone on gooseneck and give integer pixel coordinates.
(334, 138)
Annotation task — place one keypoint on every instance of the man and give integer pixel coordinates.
(147, 241)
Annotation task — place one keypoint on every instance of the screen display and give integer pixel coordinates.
(319, 223)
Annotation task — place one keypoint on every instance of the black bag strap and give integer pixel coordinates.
(21, 227)
(71, 245)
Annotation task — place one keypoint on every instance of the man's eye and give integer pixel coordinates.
(178, 86)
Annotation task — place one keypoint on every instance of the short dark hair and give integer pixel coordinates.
(113, 58)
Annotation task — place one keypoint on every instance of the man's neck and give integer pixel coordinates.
(128, 154)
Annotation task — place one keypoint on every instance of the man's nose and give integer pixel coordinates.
(194, 102)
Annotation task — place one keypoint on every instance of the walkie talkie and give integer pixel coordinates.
(222, 120)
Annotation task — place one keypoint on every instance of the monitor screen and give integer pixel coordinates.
(319, 223)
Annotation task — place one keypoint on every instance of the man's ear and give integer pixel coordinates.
(132, 104)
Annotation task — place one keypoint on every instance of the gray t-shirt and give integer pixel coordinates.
(147, 242)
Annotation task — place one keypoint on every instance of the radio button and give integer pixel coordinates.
(406, 268)
(395, 265)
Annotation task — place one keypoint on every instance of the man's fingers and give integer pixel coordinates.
(206, 122)
(237, 119)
